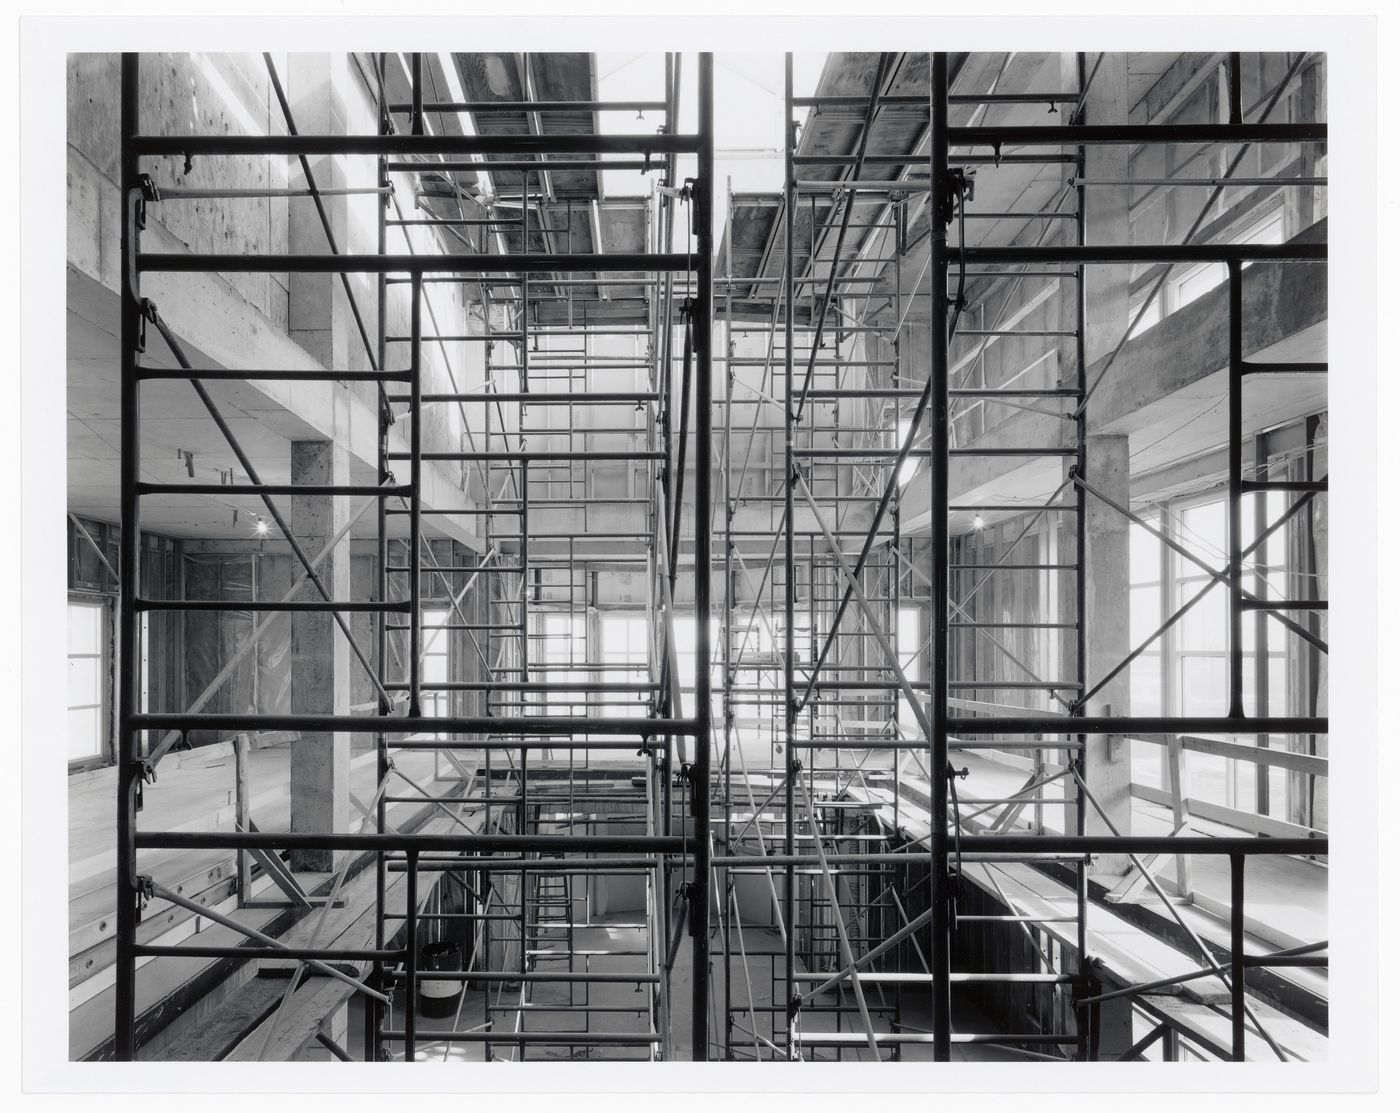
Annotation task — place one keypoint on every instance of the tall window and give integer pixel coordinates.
(1145, 616)
(910, 466)
(625, 642)
(1202, 660)
(1147, 607)
(87, 681)
(910, 650)
(435, 663)
(685, 659)
(145, 636)
(561, 642)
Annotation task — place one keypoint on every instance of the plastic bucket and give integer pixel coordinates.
(438, 996)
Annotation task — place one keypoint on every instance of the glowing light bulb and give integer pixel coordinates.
(979, 522)
(261, 527)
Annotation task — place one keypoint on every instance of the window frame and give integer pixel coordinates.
(107, 673)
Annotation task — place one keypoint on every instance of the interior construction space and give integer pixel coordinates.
(675, 556)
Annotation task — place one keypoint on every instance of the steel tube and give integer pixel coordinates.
(427, 724)
(1144, 253)
(1093, 134)
(413, 144)
(170, 263)
(938, 722)
(1234, 503)
(1237, 957)
(703, 315)
(789, 557)
(128, 695)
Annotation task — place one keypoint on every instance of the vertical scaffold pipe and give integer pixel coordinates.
(789, 559)
(1236, 496)
(938, 543)
(703, 318)
(374, 1014)
(128, 741)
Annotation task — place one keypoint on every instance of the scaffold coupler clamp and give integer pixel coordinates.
(690, 891)
(688, 776)
(148, 315)
(955, 185)
(145, 774)
(1088, 983)
(145, 887)
(149, 195)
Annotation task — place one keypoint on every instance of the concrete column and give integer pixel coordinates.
(318, 318)
(1107, 638)
(1106, 212)
(1106, 461)
(320, 769)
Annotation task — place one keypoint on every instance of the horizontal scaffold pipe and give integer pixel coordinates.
(530, 865)
(1091, 134)
(532, 725)
(190, 145)
(390, 490)
(398, 841)
(499, 167)
(534, 263)
(532, 686)
(535, 106)
(546, 1039)
(1136, 724)
(1143, 253)
(522, 457)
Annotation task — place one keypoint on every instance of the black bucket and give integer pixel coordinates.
(436, 996)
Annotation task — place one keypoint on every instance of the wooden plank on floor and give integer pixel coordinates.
(347, 928)
(229, 1024)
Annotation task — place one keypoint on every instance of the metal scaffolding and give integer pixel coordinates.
(523, 736)
(860, 418)
(796, 782)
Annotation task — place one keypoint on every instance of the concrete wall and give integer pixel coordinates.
(272, 320)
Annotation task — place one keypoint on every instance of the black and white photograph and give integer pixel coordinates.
(621, 550)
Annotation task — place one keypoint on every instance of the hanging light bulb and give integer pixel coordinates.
(261, 527)
(979, 522)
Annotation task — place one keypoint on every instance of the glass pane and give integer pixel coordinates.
(1150, 316)
(1203, 532)
(84, 681)
(1199, 282)
(1206, 625)
(1245, 774)
(1207, 778)
(1204, 685)
(1278, 793)
(1146, 761)
(911, 465)
(909, 633)
(84, 628)
(84, 733)
(1145, 685)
